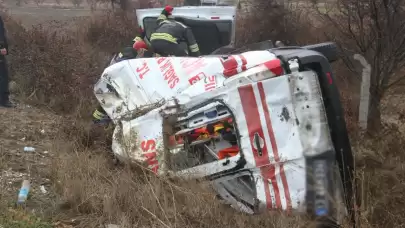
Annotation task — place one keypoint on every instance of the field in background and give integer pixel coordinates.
(54, 68)
(31, 14)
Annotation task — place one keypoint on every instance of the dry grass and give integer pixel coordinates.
(99, 192)
(57, 69)
(96, 191)
(62, 61)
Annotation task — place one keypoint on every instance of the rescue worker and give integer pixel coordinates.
(100, 116)
(127, 53)
(138, 50)
(4, 90)
(143, 50)
(165, 40)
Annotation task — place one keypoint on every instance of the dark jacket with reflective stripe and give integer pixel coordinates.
(173, 31)
(3, 38)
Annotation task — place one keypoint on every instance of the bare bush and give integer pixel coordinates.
(123, 4)
(20, 2)
(373, 29)
(59, 66)
(270, 20)
(39, 2)
(92, 4)
(110, 30)
(77, 3)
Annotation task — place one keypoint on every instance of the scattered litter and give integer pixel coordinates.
(62, 225)
(23, 139)
(23, 194)
(111, 226)
(29, 149)
(43, 190)
(43, 131)
(46, 152)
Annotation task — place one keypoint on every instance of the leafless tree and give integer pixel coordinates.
(374, 29)
(39, 2)
(92, 4)
(77, 3)
(124, 4)
(261, 20)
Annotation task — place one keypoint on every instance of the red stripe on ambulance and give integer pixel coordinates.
(244, 62)
(274, 66)
(251, 111)
(274, 144)
(230, 66)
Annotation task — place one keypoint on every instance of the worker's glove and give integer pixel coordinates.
(137, 39)
(142, 32)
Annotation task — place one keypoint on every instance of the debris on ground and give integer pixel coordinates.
(111, 226)
(24, 191)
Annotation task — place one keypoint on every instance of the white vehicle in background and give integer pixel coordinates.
(212, 26)
(286, 123)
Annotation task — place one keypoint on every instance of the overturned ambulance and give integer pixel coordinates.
(265, 126)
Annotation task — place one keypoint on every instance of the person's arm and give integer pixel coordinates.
(192, 43)
(3, 37)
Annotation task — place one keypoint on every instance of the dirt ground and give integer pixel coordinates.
(22, 127)
(27, 126)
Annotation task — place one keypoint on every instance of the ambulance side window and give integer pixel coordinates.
(202, 143)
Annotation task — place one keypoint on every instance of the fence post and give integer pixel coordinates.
(364, 91)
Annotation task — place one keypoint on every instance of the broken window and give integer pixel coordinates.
(206, 136)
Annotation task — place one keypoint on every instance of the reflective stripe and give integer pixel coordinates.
(162, 17)
(218, 127)
(99, 115)
(194, 48)
(163, 36)
(165, 21)
(137, 39)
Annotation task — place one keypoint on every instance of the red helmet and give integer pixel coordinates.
(139, 45)
(169, 9)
